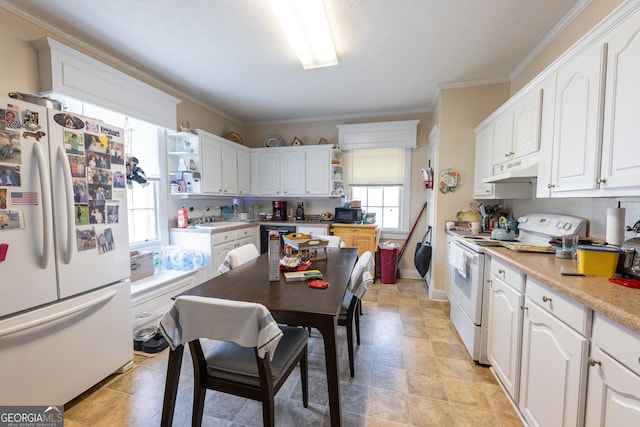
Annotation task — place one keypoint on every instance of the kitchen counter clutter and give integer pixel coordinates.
(616, 302)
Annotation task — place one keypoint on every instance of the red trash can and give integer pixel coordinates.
(388, 263)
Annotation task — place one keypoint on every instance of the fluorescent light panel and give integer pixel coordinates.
(306, 26)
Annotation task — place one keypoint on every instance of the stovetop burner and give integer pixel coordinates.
(535, 229)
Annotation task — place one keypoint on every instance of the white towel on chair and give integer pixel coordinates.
(361, 277)
(245, 323)
(238, 257)
(457, 260)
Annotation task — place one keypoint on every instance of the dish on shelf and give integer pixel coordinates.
(273, 141)
(234, 136)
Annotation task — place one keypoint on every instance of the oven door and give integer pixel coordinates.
(466, 289)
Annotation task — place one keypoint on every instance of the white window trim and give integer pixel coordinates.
(65, 71)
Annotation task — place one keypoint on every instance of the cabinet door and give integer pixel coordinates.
(211, 165)
(269, 174)
(484, 164)
(526, 123)
(503, 137)
(229, 170)
(293, 173)
(219, 253)
(613, 396)
(577, 137)
(318, 165)
(553, 378)
(620, 166)
(244, 172)
(505, 334)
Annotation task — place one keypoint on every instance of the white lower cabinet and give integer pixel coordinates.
(553, 377)
(215, 245)
(613, 394)
(505, 325)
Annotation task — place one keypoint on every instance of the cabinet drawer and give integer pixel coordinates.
(564, 308)
(244, 233)
(507, 274)
(618, 341)
(228, 236)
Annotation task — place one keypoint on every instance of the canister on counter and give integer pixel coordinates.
(274, 256)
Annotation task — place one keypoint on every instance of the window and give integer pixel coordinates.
(377, 177)
(384, 201)
(142, 202)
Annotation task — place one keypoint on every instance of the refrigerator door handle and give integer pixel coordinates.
(68, 193)
(46, 204)
(58, 315)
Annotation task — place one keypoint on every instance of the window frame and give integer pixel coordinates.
(78, 106)
(405, 195)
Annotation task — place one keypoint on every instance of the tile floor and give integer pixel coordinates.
(411, 370)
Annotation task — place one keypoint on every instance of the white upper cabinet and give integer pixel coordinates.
(503, 137)
(576, 142)
(229, 169)
(517, 128)
(526, 123)
(292, 171)
(317, 173)
(244, 172)
(621, 127)
(483, 169)
(268, 172)
(211, 164)
(221, 167)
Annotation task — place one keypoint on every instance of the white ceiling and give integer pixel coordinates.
(231, 55)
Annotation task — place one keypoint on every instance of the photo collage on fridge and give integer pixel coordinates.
(96, 156)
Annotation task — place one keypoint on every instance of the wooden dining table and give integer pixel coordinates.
(291, 303)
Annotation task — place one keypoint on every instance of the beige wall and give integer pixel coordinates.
(19, 71)
(460, 111)
(595, 12)
(311, 132)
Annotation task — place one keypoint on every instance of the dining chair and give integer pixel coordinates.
(238, 256)
(359, 282)
(334, 241)
(253, 359)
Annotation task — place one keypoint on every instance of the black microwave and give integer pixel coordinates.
(348, 215)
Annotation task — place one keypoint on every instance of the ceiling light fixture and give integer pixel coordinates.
(306, 26)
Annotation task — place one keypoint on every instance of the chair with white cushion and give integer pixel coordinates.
(253, 358)
(334, 241)
(359, 282)
(238, 256)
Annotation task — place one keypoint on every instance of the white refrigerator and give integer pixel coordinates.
(65, 294)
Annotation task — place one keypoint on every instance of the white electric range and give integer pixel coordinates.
(468, 275)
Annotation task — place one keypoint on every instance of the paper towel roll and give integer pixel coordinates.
(615, 226)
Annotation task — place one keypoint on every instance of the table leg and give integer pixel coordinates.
(328, 330)
(171, 386)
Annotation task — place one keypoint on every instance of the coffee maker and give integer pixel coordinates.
(279, 210)
(300, 212)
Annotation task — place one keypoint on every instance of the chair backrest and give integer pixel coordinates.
(238, 256)
(361, 277)
(334, 241)
(245, 323)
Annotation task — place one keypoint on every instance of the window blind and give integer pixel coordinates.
(377, 166)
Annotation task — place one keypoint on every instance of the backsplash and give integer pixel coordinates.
(592, 209)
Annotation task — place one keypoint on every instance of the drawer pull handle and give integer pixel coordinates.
(594, 362)
(546, 298)
(501, 271)
(524, 307)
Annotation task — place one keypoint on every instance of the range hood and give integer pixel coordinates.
(516, 171)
